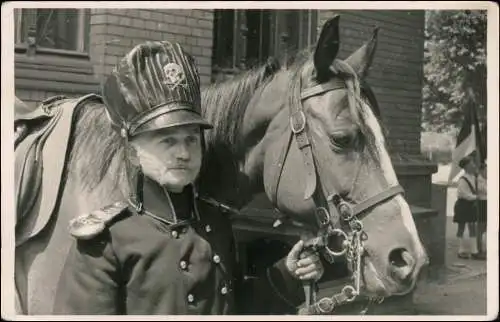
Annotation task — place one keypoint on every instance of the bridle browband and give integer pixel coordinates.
(339, 212)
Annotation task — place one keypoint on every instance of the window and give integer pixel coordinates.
(243, 38)
(65, 30)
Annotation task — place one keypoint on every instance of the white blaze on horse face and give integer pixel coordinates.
(391, 178)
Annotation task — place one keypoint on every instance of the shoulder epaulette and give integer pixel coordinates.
(88, 226)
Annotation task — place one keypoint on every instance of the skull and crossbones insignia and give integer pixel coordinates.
(174, 75)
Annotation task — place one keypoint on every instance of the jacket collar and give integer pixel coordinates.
(157, 203)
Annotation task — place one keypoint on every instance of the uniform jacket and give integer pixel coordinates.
(158, 263)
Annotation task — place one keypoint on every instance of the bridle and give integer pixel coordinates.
(339, 213)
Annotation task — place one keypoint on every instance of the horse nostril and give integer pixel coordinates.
(402, 264)
(397, 257)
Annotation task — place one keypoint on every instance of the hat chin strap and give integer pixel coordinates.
(135, 179)
(135, 176)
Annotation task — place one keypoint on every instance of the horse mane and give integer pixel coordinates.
(224, 103)
(97, 149)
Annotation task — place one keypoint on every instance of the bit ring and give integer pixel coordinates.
(336, 232)
(352, 292)
(325, 305)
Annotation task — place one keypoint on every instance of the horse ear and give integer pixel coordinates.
(327, 47)
(362, 58)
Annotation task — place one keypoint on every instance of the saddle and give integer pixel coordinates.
(40, 146)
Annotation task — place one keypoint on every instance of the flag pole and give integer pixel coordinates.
(477, 157)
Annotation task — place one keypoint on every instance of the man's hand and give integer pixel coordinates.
(304, 264)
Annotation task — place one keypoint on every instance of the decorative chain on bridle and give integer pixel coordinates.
(351, 248)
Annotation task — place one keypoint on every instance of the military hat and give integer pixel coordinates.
(156, 85)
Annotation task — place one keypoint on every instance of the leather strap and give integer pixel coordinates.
(469, 184)
(360, 208)
(298, 126)
(277, 174)
(322, 88)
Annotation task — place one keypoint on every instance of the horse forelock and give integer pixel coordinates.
(361, 104)
(359, 97)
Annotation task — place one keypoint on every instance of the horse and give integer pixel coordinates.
(303, 133)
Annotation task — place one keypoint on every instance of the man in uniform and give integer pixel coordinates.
(164, 250)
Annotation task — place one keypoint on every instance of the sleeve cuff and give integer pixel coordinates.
(288, 287)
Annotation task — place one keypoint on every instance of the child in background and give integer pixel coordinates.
(465, 210)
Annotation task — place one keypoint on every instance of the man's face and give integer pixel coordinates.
(172, 156)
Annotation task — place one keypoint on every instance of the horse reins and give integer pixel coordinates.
(340, 212)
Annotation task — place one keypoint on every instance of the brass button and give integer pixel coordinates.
(183, 264)
(216, 259)
(208, 228)
(175, 234)
(190, 298)
(223, 290)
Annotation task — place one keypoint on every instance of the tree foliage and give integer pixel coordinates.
(454, 68)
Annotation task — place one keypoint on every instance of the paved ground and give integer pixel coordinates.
(462, 290)
(463, 287)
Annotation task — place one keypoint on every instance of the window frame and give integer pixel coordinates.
(82, 51)
(307, 21)
(49, 70)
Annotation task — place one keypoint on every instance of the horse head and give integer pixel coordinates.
(323, 162)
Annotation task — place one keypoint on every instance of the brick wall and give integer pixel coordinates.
(397, 70)
(45, 74)
(113, 32)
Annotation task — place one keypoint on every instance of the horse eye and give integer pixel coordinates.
(342, 141)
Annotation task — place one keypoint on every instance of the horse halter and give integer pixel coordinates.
(339, 212)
